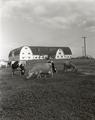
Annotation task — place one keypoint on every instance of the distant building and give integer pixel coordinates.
(36, 52)
(3, 63)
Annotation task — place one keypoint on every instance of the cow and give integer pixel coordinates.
(17, 66)
(68, 66)
(40, 68)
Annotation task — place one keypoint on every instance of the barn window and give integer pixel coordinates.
(25, 48)
(29, 57)
(28, 53)
(23, 57)
(59, 52)
(22, 53)
(61, 56)
(58, 56)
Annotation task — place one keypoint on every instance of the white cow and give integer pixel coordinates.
(40, 68)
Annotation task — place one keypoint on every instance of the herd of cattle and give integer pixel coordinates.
(39, 69)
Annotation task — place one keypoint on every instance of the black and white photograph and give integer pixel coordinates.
(47, 59)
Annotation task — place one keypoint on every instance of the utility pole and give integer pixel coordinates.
(82, 51)
(84, 38)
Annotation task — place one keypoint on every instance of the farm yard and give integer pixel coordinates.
(66, 96)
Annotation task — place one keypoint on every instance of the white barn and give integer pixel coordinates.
(36, 52)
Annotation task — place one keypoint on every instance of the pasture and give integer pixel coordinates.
(66, 96)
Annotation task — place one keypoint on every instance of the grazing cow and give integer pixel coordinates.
(17, 66)
(40, 68)
(68, 66)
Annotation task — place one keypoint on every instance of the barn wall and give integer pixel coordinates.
(26, 53)
(38, 57)
(68, 56)
(59, 54)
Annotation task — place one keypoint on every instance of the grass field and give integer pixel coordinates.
(66, 96)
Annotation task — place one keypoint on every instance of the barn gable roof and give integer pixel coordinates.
(38, 50)
(49, 50)
(15, 51)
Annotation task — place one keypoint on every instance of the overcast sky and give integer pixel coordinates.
(47, 23)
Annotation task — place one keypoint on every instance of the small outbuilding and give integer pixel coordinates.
(37, 52)
(3, 64)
